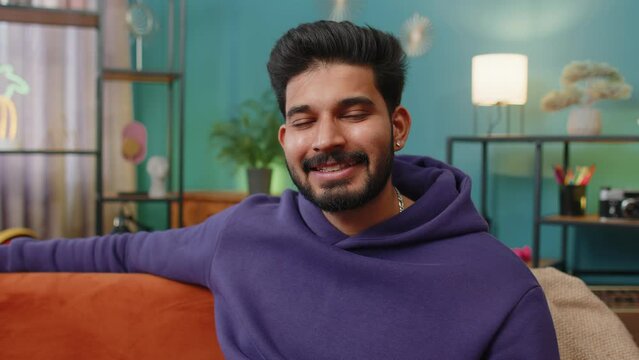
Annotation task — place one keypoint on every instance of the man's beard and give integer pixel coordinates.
(336, 197)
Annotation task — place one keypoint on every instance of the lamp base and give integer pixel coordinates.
(496, 119)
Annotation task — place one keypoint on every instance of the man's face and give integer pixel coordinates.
(337, 137)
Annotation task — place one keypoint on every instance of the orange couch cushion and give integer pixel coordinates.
(104, 316)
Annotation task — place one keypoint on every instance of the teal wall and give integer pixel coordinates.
(228, 43)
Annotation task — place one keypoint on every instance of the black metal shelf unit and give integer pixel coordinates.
(173, 78)
(538, 219)
(44, 16)
(49, 152)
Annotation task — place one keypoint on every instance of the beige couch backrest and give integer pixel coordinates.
(586, 328)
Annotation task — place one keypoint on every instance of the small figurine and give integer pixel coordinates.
(158, 168)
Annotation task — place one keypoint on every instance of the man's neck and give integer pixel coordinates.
(382, 207)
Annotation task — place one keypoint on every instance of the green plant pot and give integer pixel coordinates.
(259, 180)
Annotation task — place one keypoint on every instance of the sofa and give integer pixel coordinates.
(136, 316)
(104, 316)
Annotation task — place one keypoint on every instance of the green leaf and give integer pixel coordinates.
(249, 138)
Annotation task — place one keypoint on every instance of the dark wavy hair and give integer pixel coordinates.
(339, 42)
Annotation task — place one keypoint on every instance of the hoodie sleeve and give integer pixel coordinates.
(528, 332)
(178, 254)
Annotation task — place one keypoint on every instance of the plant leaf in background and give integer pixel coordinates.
(249, 138)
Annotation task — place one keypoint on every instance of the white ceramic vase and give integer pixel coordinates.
(584, 120)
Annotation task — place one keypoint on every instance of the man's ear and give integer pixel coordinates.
(401, 122)
(281, 134)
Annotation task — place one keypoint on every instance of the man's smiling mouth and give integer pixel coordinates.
(334, 161)
(333, 166)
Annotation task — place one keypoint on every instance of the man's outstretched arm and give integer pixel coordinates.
(178, 254)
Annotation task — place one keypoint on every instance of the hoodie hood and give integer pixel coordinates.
(443, 208)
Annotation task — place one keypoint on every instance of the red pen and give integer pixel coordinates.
(559, 174)
(586, 180)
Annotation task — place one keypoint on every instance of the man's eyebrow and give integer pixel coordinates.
(358, 100)
(297, 109)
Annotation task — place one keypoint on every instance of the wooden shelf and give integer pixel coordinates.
(215, 196)
(547, 138)
(200, 205)
(618, 298)
(139, 76)
(624, 301)
(593, 220)
(41, 16)
(48, 152)
(138, 197)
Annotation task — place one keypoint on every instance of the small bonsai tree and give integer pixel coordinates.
(584, 83)
(249, 138)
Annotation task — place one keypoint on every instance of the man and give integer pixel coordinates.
(379, 257)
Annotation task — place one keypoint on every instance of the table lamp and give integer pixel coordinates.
(500, 81)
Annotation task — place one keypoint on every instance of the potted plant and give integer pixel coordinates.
(249, 139)
(584, 83)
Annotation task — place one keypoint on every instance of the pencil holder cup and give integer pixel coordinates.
(572, 200)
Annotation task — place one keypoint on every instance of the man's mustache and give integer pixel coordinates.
(338, 156)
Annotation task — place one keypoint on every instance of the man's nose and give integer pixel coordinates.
(329, 135)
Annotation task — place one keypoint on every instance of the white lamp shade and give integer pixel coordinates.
(500, 79)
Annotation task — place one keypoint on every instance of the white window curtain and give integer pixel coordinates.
(55, 195)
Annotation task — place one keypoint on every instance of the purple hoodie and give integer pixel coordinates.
(429, 283)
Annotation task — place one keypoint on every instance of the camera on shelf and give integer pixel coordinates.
(618, 203)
